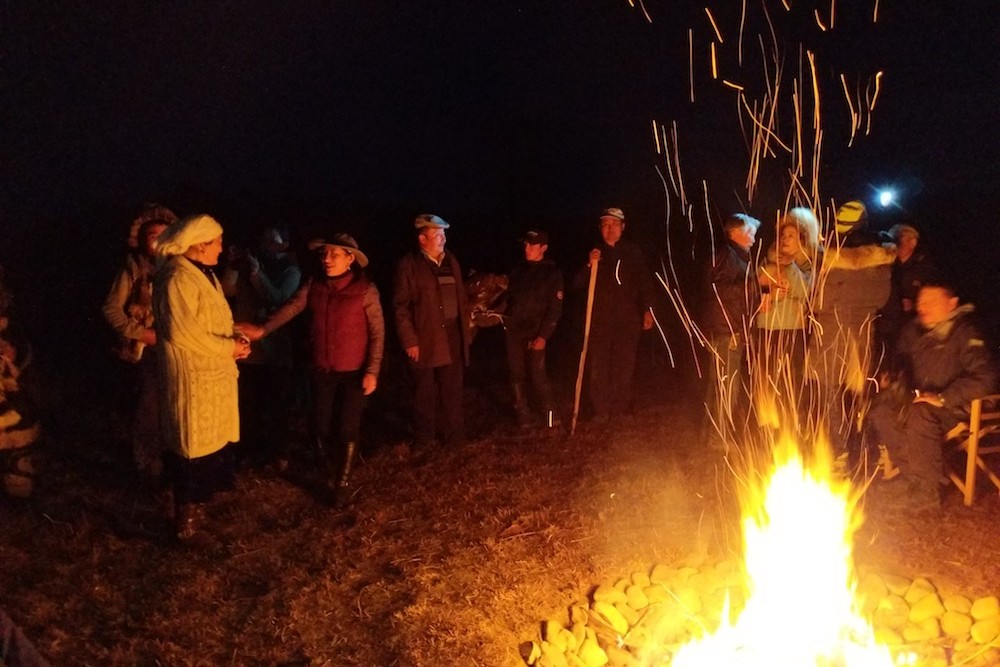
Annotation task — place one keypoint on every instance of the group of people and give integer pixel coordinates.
(213, 346)
(856, 335)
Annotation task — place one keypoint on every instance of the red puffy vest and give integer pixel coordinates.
(339, 330)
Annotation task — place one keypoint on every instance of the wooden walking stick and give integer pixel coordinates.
(586, 340)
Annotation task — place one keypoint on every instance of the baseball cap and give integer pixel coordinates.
(613, 212)
(536, 237)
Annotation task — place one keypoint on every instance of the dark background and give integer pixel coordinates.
(498, 116)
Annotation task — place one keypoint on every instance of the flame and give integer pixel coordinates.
(801, 610)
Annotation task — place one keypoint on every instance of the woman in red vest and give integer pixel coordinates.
(346, 339)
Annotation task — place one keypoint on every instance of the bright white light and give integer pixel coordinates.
(885, 198)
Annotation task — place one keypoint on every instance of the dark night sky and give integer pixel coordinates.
(496, 115)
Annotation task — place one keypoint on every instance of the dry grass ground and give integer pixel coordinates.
(446, 557)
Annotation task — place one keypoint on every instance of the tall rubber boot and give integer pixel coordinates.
(342, 494)
(521, 405)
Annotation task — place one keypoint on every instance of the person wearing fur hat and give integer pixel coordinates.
(347, 337)
(199, 346)
(128, 309)
(851, 285)
(786, 280)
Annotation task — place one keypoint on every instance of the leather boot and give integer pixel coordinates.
(342, 492)
(521, 405)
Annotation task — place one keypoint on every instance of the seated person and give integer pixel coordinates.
(941, 364)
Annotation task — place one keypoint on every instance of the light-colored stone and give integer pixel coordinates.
(552, 653)
(984, 608)
(871, 589)
(622, 584)
(569, 639)
(892, 612)
(689, 600)
(574, 660)
(985, 631)
(656, 593)
(928, 606)
(706, 581)
(636, 597)
(897, 585)
(921, 632)
(592, 654)
(888, 636)
(579, 631)
(959, 603)
(956, 624)
(630, 614)
(640, 579)
(661, 574)
(551, 629)
(918, 590)
(611, 616)
(619, 657)
(578, 614)
(605, 593)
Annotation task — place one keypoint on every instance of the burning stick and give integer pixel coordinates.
(586, 341)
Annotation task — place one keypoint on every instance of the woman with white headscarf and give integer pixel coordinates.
(194, 328)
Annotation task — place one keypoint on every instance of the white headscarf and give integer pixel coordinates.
(178, 237)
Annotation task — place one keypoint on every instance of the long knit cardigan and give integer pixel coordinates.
(194, 329)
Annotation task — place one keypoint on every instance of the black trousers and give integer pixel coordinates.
(338, 401)
(611, 359)
(447, 384)
(525, 364)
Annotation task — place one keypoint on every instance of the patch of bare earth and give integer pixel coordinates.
(446, 557)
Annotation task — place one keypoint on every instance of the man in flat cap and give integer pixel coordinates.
(622, 310)
(431, 312)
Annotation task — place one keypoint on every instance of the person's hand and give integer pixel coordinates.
(253, 263)
(253, 332)
(595, 256)
(537, 343)
(647, 321)
(368, 383)
(781, 285)
(148, 337)
(413, 352)
(241, 350)
(933, 399)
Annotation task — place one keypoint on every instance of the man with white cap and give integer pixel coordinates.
(199, 348)
(346, 339)
(432, 314)
(622, 310)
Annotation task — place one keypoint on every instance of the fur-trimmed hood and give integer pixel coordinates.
(860, 257)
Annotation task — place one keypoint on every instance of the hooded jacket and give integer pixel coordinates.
(950, 359)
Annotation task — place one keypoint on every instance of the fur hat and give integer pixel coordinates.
(178, 237)
(149, 213)
(345, 242)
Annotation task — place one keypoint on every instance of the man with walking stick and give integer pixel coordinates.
(620, 300)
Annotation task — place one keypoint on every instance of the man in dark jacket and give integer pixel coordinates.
(623, 301)
(912, 269)
(726, 321)
(534, 305)
(432, 315)
(941, 365)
